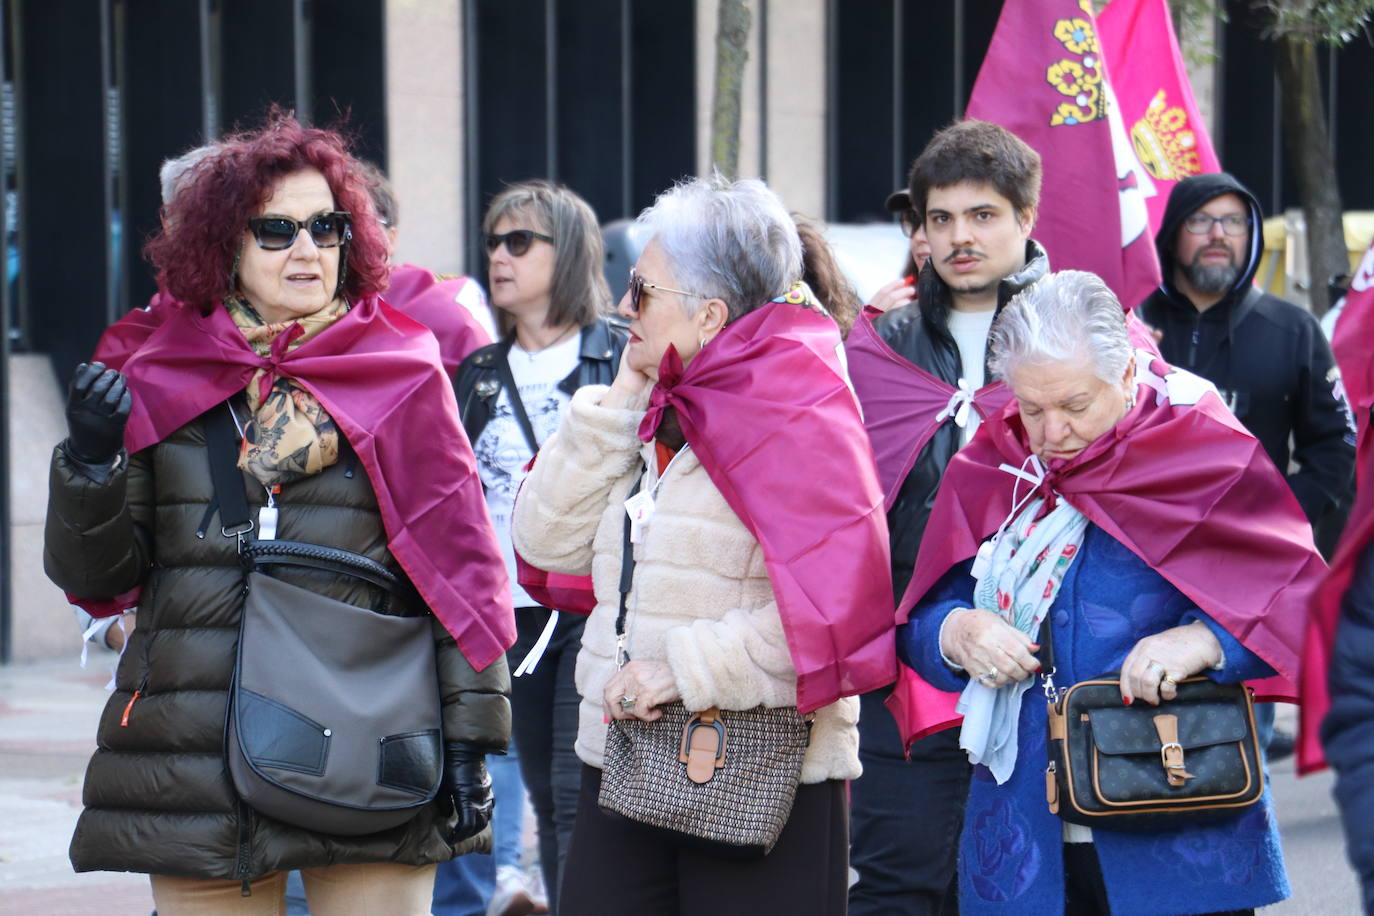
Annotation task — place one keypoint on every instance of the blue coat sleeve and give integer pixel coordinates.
(1348, 730)
(918, 640)
(1240, 664)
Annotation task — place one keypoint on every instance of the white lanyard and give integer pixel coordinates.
(640, 507)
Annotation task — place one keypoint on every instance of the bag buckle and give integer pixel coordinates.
(703, 745)
(1170, 751)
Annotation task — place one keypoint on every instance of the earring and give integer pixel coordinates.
(701, 342)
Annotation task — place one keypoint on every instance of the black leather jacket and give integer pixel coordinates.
(920, 333)
(479, 382)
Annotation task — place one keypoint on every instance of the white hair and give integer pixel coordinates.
(729, 240)
(1069, 315)
(175, 173)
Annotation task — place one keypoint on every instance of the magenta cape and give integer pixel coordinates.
(1351, 343)
(1178, 482)
(903, 403)
(123, 338)
(1168, 136)
(433, 301)
(1043, 79)
(766, 409)
(377, 373)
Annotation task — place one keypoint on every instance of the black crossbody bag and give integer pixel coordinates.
(334, 718)
(1189, 760)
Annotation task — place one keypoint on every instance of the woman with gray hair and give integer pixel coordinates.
(719, 591)
(1116, 511)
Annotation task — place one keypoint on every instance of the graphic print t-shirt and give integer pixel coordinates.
(502, 450)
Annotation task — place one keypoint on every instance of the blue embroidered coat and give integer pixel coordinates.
(1010, 853)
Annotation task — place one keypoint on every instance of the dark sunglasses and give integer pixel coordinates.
(638, 284)
(275, 233)
(517, 241)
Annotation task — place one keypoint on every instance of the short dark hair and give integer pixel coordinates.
(978, 152)
(580, 294)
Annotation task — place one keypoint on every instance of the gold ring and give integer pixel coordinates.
(628, 701)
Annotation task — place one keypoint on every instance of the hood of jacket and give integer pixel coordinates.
(1190, 195)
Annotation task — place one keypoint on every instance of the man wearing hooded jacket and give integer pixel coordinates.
(1268, 357)
(977, 188)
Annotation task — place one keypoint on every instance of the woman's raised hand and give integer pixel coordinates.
(895, 294)
(1157, 663)
(629, 385)
(98, 403)
(992, 651)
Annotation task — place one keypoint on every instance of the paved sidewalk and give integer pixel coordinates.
(48, 715)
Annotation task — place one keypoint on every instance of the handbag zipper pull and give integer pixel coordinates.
(138, 692)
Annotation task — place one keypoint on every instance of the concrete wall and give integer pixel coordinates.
(41, 624)
(424, 100)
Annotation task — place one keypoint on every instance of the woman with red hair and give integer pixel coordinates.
(275, 263)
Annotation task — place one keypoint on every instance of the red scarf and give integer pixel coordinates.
(377, 373)
(1224, 529)
(766, 408)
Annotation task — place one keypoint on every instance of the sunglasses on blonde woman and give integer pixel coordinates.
(517, 241)
(638, 284)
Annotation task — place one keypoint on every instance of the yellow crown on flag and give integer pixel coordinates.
(1163, 142)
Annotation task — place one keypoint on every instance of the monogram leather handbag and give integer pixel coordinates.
(1141, 767)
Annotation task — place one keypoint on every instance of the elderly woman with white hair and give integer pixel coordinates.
(722, 496)
(1116, 511)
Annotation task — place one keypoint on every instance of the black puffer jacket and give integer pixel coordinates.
(1268, 358)
(158, 795)
(920, 333)
(479, 379)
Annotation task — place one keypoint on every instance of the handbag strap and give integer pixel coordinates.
(518, 406)
(627, 575)
(221, 439)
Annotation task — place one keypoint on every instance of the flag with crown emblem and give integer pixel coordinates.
(1168, 135)
(1045, 80)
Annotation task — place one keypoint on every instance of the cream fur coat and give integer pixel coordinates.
(701, 598)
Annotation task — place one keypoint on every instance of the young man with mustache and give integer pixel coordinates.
(976, 186)
(1267, 356)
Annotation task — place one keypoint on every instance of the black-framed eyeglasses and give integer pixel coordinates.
(329, 229)
(910, 222)
(517, 241)
(638, 284)
(1233, 224)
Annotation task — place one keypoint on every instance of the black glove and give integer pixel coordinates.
(98, 404)
(468, 783)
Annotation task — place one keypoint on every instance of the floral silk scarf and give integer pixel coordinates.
(1017, 576)
(289, 435)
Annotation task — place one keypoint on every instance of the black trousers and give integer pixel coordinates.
(1085, 894)
(905, 818)
(618, 868)
(544, 709)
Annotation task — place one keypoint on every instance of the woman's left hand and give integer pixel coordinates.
(636, 690)
(1157, 663)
